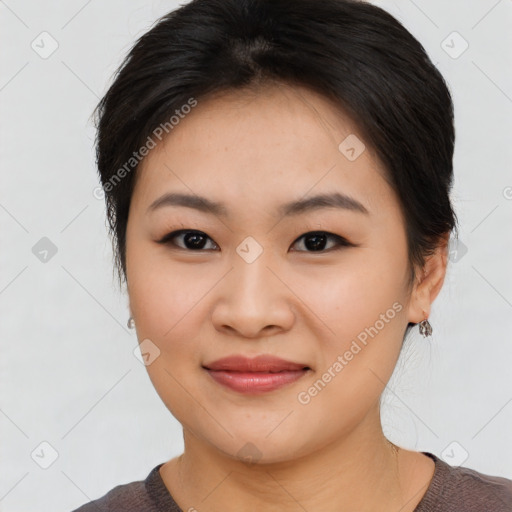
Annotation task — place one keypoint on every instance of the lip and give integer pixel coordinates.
(263, 363)
(256, 375)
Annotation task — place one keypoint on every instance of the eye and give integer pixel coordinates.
(314, 241)
(193, 240)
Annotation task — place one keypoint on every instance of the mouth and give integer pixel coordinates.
(265, 363)
(257, 375)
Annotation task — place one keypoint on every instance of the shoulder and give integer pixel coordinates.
(461, 489)
(129, 497)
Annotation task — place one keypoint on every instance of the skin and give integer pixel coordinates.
(254, 151)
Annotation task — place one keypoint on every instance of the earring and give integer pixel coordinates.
(131, 323)
(425, 327)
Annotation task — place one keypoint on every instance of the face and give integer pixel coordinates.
(324, 285)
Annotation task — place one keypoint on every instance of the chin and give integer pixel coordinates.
(259, 450)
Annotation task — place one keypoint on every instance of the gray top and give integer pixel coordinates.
(452, 489)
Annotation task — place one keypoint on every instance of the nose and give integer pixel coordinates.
(253, 301)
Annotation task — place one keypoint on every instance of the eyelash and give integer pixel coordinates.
(341, 242)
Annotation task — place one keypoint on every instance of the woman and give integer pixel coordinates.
(277, 178)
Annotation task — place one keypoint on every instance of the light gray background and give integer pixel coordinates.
(68, 373)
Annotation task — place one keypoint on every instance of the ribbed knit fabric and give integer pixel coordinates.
(460, 489)
(452, 489)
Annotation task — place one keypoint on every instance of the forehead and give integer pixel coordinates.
(262, 148)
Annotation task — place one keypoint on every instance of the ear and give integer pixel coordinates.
(429, 283)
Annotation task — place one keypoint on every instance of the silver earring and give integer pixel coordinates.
(425, 327)
(131, 323)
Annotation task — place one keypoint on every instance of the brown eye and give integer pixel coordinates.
(316, 241)
(191, 240)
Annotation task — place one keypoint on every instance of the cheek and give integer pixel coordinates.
(351, 295)
(362, 308)
(163, 290)
(165, 298)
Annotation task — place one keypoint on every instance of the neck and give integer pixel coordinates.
(362, 471)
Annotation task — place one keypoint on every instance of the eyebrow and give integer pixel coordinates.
(332, 200)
